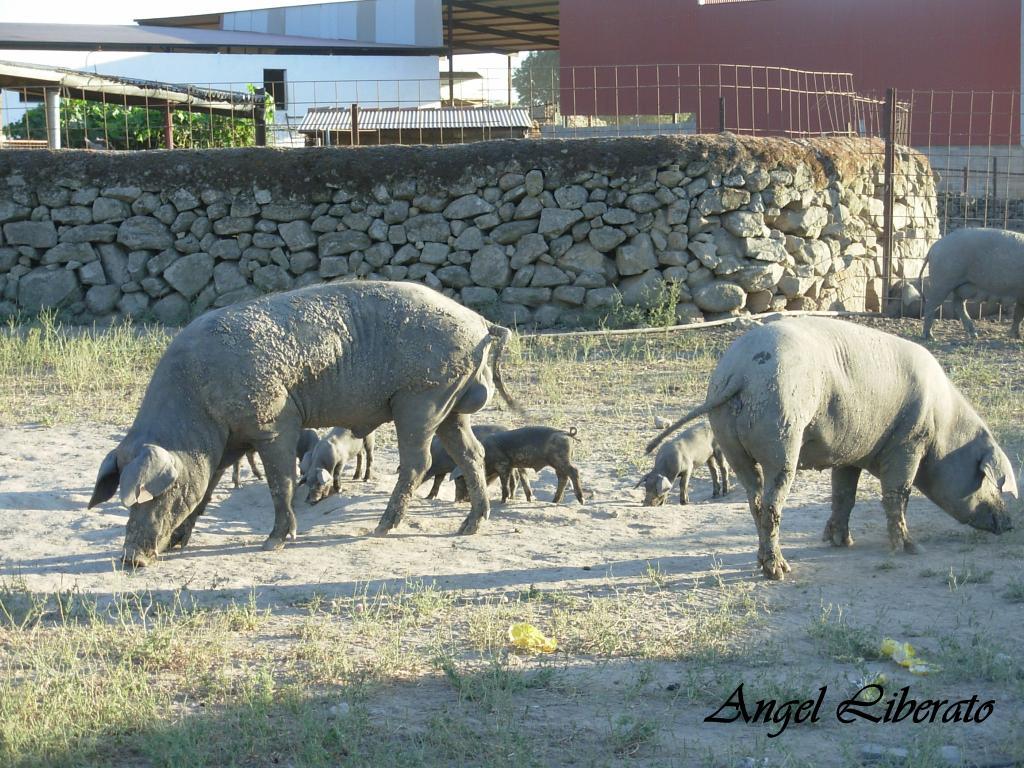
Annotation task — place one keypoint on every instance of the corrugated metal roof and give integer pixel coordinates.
(472, 26)
(445, 118)
(118, 37)
(501, 26)
(34, 78)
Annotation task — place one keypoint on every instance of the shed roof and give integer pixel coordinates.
(402, 119)
(475, 26)
(183, 39)
(500, 26)
(33, 79)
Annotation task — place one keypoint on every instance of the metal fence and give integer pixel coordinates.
(568, 102)
(972, 138)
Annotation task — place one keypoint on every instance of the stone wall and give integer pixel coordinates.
(529, 232)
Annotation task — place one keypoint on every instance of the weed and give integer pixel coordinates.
(50, 373)
(493, 686)
(967, 574)
(842, 641)
(1014, 592)
(627, 735)
(657, 310)
(978, 656)
(656, 576)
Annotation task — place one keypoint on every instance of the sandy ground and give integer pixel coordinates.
(50, 541)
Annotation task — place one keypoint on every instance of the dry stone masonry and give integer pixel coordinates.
(542, 233)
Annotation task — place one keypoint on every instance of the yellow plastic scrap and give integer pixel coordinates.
(905, 655)
(528, 638)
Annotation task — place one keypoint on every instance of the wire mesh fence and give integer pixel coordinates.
(567, 102)
(972, 139)
(973, 144)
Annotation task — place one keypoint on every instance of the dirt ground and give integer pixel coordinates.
(957, 602)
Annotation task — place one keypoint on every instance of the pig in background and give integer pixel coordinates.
(528, 448)
(678, 459)
(307, 439)
(442, 464)
(973, 261)
(326, 462)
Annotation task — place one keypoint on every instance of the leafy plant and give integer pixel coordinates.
(87, 123)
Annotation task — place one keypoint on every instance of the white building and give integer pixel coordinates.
(377, 53)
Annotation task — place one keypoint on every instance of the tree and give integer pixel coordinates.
(536, 79)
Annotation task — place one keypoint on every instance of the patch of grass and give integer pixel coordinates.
(500, 741)
(696, 624)
(841, 640)
(979, 656)
(658, 309)
(51, 373)
(628, 735)
(493, 686)
(1014, 591)
(968, 573)
(657, 577)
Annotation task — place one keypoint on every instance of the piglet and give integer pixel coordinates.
(250, 456)
(328, 458)
(679, 458)
(307, 439)
(441, 463)
(530, 448)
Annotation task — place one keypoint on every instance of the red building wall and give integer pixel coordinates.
(943, 45)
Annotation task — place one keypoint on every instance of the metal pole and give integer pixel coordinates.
(168, 127)
(451, 55)
(509, 59)
(721, 114)
(52, 98)
(259, 117)
(889, 194)
(355, 125)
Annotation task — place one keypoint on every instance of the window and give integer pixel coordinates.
(274, 84)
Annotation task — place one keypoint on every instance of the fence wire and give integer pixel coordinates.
(567, 102)
(972, 139)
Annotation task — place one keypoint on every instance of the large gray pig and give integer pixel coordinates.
(818, 393)
(990, 260)
(346, 354)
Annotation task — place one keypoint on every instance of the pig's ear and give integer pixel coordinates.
(664, 484)
(149, 475)
(323, 477)
(106, 480)
(997, 468)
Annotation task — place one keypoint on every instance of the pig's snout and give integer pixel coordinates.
(992, 519)
(135, 557)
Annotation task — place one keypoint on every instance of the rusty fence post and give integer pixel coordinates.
(169, 125)
(259, 116)
(721, 114)
(355, 125)
(889, 195)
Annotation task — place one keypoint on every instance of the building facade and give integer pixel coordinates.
(398, 77)
(952, 46)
